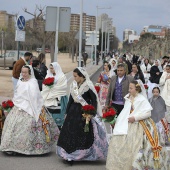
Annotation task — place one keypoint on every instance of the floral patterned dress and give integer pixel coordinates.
(104, 81)
(134, 150)
(22, 134)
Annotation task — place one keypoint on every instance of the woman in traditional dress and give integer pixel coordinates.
(2, 118)
(137, 73)
(113, 63)
(55, 97)
(155, 75)
(146, 69)
(29, 129)
(103, 82)
(74, 144)
(136, 143)
(158, 114)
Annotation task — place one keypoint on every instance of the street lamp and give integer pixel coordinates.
(2, 43)
(107, 30)
(108, 35)
(80, 33)
(97, 27)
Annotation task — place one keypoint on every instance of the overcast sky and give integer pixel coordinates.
(133, 14)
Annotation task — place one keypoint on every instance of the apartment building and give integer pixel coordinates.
(89, 22)
(7, 21)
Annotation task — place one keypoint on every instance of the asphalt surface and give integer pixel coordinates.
(49, 161)
(95, 76)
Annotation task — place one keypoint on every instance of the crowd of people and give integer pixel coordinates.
(44, 115)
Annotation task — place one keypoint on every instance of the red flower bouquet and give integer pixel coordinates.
(110, 116)
(88, 112)
(49, 81)
(7, 105)
(97, 88)
(146, 86)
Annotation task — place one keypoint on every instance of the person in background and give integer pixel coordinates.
(18, 66)
(97, 57)
(43, 68)
(155, 75)
(156, 72)
(135, 59)
(158, 113)
(104, 81)
(118, 88)
(164, 62)
(165, 94)
(85, 57)
(146, 69)
(37, 73)
(137, 73)
(113, 63)
(121, 61)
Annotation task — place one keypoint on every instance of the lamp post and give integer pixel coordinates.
(97, 27)
(2, 43)
(108, 37)
(105, 40)
(80, 33)
(102, 41)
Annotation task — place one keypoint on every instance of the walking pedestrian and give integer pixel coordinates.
(18, 66)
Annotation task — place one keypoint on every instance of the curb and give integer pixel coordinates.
(95, 71)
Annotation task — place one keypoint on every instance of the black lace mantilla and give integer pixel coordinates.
(72, 136)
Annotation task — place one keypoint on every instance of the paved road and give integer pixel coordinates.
(47, 162)
(95, 76)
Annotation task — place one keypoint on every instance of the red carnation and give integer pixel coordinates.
(146, 86)
(110, 116)
(7, 105)
(97, 88)
(88, 113)
(4, 105)
(10, 103)
(88, 109)
(49, 81)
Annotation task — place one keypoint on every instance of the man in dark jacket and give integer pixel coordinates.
(37, 73)
(18, 66)
(135, 59)
(85, 57)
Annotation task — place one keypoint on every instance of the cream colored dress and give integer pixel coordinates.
(132, 150)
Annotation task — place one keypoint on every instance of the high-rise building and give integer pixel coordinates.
(89, 22)
(7, 20)
(128, 32)
(107, 24)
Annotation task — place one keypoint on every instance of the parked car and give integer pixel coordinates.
(47, 50)
(39, 49)
(10, 58)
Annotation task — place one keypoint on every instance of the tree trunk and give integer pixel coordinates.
(44, 40)
(72, 53)
(76, 49)
(52, 48)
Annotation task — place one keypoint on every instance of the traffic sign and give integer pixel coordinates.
(92, 40)
(64, 19)
(21, 22)
(19, 35)
(78, 34)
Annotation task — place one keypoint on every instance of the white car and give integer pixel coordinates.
(10, 58)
